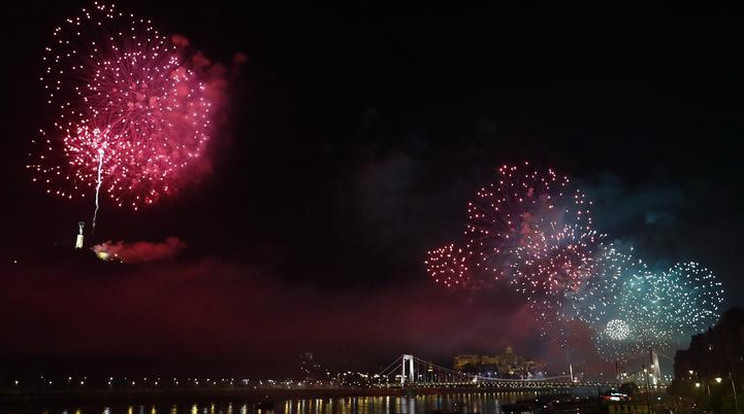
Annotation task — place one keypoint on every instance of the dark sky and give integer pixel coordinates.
(353, 137)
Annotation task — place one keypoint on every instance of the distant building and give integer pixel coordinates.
(715, 353)
(506, 365)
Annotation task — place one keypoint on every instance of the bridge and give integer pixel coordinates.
(411, 372)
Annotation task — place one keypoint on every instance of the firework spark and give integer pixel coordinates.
(521, 201)
(617, 329)
(447, 266)
(703, 293)
(548, 270)
(596, 300)
(658, 309)
(554, 263)
(675, 304)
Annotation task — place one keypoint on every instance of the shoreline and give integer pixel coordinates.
(246, 395)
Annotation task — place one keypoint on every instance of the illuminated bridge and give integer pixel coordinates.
(410, 372)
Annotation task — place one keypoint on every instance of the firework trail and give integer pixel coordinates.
(118, 86)
(98, 185)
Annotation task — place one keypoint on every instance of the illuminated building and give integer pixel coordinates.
(506, 365)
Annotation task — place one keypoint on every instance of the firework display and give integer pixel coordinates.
(617, 329)
(631, 309)
(703, 294)
(549, 268)
(522, 200)
(448, 266)
(673, 303)
(530, 229)
(131, 117)
(596, 301)
(551, 264)
(620, 340)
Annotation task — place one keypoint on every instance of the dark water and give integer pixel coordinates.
(482, 403)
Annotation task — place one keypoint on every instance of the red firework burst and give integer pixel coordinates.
(523, 200)
(551, 265)
(132, 117)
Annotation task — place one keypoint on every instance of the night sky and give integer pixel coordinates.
(351, 139)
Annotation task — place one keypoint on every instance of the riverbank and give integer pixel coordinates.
(248, 395)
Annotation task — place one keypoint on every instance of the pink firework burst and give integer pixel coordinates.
(549, 269)
(132, 117)
(447, 266)
(521, 201)
(551, 265)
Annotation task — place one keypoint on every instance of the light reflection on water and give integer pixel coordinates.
(464, 403)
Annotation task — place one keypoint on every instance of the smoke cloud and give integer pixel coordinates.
(216, 79)
(141, 251)
(240, 316)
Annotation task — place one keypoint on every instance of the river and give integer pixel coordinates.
(462, 402)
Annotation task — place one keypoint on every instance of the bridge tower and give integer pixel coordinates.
(655, 368)
(407, 375)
